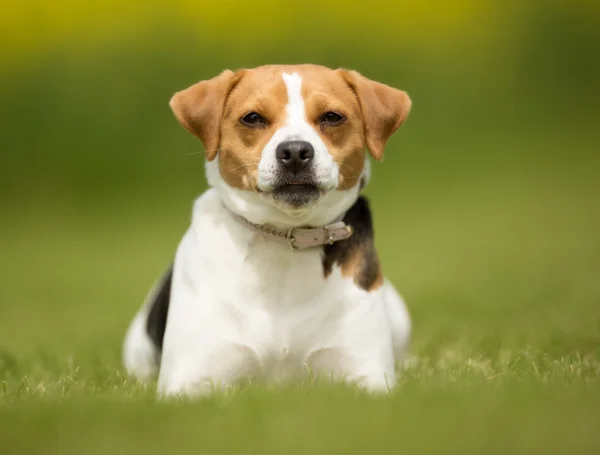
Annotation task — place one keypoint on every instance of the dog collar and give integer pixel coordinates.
(302, 238)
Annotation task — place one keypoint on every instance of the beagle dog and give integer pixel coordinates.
(277, 277)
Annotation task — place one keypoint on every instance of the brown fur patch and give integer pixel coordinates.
(356, 256)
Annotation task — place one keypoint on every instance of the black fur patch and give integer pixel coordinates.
(159, 308)
(361, 243)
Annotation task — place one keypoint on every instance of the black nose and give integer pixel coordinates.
(295, 156)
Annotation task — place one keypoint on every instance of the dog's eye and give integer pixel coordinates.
(331, 118)
(253, 119)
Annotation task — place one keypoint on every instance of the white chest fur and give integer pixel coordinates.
(244, 307)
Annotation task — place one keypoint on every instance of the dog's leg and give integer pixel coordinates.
(143, 341)
(371, 370)
(140, 356)
(195, 374)
(361, 352)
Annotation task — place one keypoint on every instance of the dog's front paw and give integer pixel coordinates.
(198, 389)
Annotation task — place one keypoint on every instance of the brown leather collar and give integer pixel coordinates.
(302, 238)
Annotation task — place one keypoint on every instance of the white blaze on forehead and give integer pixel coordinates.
(295, 107)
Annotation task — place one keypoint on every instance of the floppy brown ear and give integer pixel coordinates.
(384, 109)
(199, 109)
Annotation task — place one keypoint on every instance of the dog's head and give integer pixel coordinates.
(286, 144)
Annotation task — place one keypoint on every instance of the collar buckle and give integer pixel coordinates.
(329, 236)
(337, 231)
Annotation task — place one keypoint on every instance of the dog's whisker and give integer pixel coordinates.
(227, 171)
(351, 168)
(194, 153)
(202, 152)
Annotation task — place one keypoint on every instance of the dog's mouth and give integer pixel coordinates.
(296, 193)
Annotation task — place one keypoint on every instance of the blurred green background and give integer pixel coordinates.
(486, 205)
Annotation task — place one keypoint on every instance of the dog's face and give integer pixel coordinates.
(291, 135)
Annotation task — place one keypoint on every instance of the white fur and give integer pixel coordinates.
(139, 353)
(244, 307)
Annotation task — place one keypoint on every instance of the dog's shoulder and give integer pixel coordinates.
(356, 256)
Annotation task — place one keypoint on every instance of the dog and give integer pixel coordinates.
(277, 278)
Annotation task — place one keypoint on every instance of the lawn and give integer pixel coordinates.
(498, 259)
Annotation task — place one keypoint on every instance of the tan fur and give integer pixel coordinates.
(212, 109)
(199, 109)
(261, 90)
(384, 109)
(357, 264)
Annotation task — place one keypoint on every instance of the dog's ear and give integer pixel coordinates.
(384, 109)
(199, 109)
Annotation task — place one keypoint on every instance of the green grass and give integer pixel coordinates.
(498, 262)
